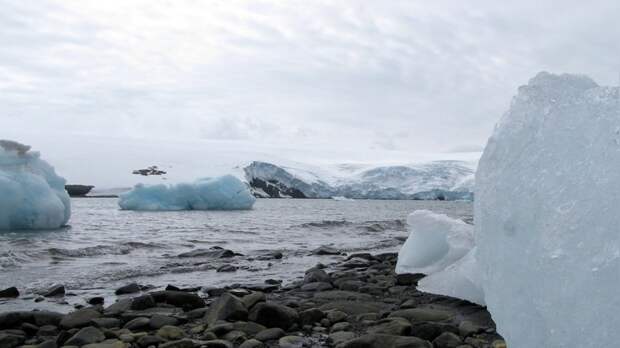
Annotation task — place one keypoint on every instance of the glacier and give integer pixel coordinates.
(32, 195)
(434, 180)
(221, 193)
(546, 221)
(443, 249)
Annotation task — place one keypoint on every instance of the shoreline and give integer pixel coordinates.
(358, 302)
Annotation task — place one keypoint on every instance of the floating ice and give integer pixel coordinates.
(32, 196)
(441, 247)
(221, 193)
(546, 214)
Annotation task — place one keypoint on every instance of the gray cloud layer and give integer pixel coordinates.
(391, 75)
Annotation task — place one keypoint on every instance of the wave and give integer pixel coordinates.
(326, 224)
(99, 250)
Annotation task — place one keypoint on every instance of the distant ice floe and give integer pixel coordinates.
(32, 195)
(221, 193)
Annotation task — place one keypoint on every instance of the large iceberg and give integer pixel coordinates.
(546, 215)
(442, 248)
(32, 195)
(220, 193)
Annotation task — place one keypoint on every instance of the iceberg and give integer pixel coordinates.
(546, 215)
(32, 195)
(442, 248)
(220, 193)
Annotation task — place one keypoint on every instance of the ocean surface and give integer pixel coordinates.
(105, 248)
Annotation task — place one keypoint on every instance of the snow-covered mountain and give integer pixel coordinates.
(443, 180)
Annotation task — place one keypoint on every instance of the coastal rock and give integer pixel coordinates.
(184, 343)
(79, 318)
(11, 292)
(422, 314)
(386, 341)
(325, 250)
(271, 314)
(341, 336)
(149, 340)
(54, 291)
(118, 307)
(270, 334)
(227, 268)
(226, 307)
(310, 316)
(170, 333)
(85, 336)
(252, 343)
(317, 286)
(10, 341)
(42, 318)
(158, 321)
(213, 253)
(128, 289)
(447, 340)
(248, 327)
(78, 190)
(137, 324)
(292, 342)
(106, 323)
(142, 302)
(392, 326)
(253, 298)
(181, 299)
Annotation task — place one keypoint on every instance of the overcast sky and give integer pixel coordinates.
(392, 76)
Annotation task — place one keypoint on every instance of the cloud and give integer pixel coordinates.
(348, 74)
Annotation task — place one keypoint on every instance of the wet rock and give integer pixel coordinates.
(142, 302)
(227, 268)
(422, 314)
(386, 341)
(10, 341)
(184, 343)
(252, 343)
(149, 340)
(334, 295)
(314, 275)
(235, 337)
(138, 324)
(447, 340)
(335, 316)
(253, 298)
(261, 287)
(341, 336)
(226, 307)
(181, 299)
(325, 250)
(213, 253)
(118, 307)
(11, 292)
(342, 326)
(431, 330)
(79, 318)
(292, 342)
(392, 326)
(270, 334)
(350, 285)
(85, 336)
(49, 344)
(355, 263)
(128, 289)
(216, 344)
(170, 333)
(94, 301)
(353, 307)
(158, 321)
(271, 314)
(106, 323)
(55, 291)
(408, 278)
(467, 328)
(317, 286)
(310, 316)
(47, 331)
(248, 327)
(42, 318)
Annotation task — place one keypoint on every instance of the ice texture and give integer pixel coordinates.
(32, 195)
(220, 193)
(546, 215)
(442, 248)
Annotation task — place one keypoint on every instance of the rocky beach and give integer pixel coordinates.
(356, 301)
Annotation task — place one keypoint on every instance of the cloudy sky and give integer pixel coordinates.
(384, 76)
